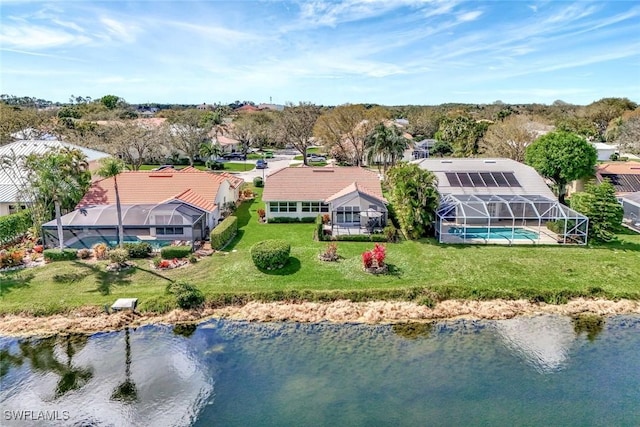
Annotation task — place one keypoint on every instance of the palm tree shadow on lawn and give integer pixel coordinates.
(106, 279)
(16, 280)
(291, 267)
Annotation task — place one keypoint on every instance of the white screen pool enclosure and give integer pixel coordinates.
(141, 222)
(508, 219)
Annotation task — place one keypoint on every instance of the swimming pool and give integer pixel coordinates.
(112, 241)
(493, 233)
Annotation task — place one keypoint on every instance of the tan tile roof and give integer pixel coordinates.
(632, 168)
(190, 185)
(234, 180)
(319, 184)
(352, 188)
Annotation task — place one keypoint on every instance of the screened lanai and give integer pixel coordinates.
(508, 219)
(159, 224)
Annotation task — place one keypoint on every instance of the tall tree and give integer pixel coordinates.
(209, 151)
(562, 157)
(295, 126)
(20, 122)
(133, 142)
(110, 101)
(508, 138)
(59, 175)
(414, 196)
(344, 128)
(243, 131)
(603, 111)
(600, 205)
(628, 135)
(463, 133)
(188, 130)
(385, 145)
(111, 168)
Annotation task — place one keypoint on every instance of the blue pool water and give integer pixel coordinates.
(89, 241)
(494, 233)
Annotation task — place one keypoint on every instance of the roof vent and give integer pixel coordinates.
(446, 161)
(489, 161)
(635, 168)
(323, 170)
(160, 175)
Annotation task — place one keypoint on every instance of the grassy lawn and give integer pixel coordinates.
(417, 268)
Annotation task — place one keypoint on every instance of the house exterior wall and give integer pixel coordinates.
(293, 210)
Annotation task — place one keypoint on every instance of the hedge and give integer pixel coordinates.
(270, 254)
(319, 230)
(286, 220)
(60, 255)
(258, 182)
(224, 232)
(360, 238)
(170, 252)
(14, 225)
(138, 249)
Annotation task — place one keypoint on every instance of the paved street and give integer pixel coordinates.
(278, 162)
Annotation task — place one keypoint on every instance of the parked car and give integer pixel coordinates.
(261, 164)
(163, 167)
(268, 154)
(315, 158)
(235, 156)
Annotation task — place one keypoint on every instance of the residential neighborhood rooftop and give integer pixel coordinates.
(624, 176)
(188, 185)
(320, 184)
(480, 176)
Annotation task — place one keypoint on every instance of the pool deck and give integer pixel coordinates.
(545, 237)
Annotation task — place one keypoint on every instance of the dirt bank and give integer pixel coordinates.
(91, 320)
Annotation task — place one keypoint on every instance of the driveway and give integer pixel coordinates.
(280, 161)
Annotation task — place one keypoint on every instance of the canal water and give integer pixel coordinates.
(542, 370)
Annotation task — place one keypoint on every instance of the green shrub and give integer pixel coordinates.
(187, 296)
(319, 230)
(361, 238)
(118, 255)
(289, 220)
(138, 249)
(258, 182)
(60, 255)
(14, 225)
(270, 254)
(171, 252)
(224, 232)
(391, 233)
(157, 304)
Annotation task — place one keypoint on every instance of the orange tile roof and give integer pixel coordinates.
(632, 168)
(234, 180)
(190, 185)
(319, 184)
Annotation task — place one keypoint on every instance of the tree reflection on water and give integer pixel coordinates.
(126, 392)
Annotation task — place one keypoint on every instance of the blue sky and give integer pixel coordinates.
(391, 52)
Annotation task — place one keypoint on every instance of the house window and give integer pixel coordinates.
(13, 208)
(169, 230)
(283, 207)
(314, 207)
(348, 214)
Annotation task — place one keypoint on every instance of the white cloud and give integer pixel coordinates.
(122, 31)
(25, 36)
(469, 16)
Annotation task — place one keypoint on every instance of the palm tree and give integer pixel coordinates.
(111, 167)
(385, 145)
(60, 176)
(209, 150)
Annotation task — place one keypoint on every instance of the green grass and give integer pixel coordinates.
(422, 271)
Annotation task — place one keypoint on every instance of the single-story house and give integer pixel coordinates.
(631, 205)
(499, 201)
(605, 151)
(157, 206)
(625, 176)
(351, 196)
(13, 176)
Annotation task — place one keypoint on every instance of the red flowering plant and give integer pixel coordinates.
(374, 259)
(367, 259)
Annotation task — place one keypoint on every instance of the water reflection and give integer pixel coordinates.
(127, 391)
(528, 371)
(165, 381)
(592, 325)
(542, 341)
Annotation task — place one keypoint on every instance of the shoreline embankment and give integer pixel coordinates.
(89, 320)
